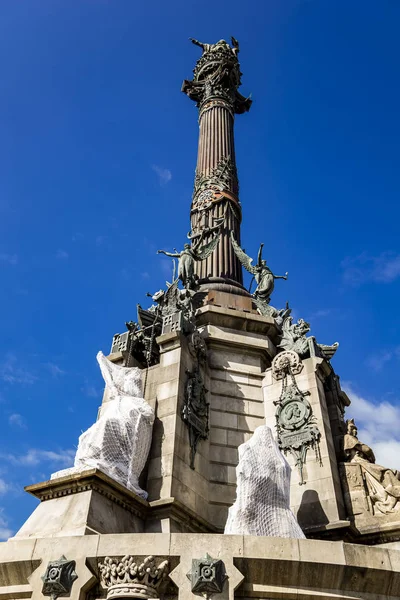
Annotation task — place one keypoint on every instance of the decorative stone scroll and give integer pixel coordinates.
(207, 576)
(128, 578)
(295, 422)
(58, 578)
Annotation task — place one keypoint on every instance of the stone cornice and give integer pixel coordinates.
(90, 480)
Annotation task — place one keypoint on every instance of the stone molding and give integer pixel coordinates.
(175, 510)
(95, 480)
(274, 567)
(90, 480)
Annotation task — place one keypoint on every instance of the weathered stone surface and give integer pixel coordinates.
(319, 502)
(81, 504)
(261, 566)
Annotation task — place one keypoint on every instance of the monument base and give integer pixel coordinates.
(256, 567)
(84, 503)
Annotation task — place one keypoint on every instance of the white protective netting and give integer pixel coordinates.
(262, 505)
(119, 442)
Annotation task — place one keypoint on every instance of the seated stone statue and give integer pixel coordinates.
(383, 485)
(262, 505)
(119, 442)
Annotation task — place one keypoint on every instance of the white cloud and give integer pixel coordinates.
(360, 269)
(10, 259)
(378, 361)
(17, 420)
(167, 267)
(11, 372)
(90, 391)
(54, 369)
(164, 175)
(4, 487)
(322, 313)
(62, 255)
(35, 457)
(378, 426)
(5, 531)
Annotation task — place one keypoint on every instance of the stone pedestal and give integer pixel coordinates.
(318, 503)
(239, 348)
(269, 568)
(83, 504)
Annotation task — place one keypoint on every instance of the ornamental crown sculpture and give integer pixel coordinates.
(129, 578)
(217, 74)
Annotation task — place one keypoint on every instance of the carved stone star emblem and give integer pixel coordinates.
(58, 578)
(207, 576)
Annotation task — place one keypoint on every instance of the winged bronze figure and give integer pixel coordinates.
(263, 275)
(187, 258)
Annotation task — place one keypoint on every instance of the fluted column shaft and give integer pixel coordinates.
(216, 167)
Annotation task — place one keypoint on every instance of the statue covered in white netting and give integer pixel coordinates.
(119, 442)
(262, 505)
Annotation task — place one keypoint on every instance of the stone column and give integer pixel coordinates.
(215, 205)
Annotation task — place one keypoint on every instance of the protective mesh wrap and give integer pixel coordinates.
(262, 505)
(119, 442)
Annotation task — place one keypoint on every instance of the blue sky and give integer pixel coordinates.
(98, 149)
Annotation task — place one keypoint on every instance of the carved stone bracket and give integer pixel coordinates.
(58, 578)
(295, 422)
(127, 578)
(207, 576)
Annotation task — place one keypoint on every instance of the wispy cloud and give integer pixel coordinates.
(378, 424)
(10, 259)
(100, 239)
(12, 372)
(54, 369)
(364, 268)
(145, 275)
(5, 531)
(378, 361)
(34, 457)
(4, 487)
(62, 254)
(17, 420)
(319, 314)
(164, 175)
(90, 390)
(77, 237)
(125, 274)
(167, 267)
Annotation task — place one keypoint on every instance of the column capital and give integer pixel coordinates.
(217, 76)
